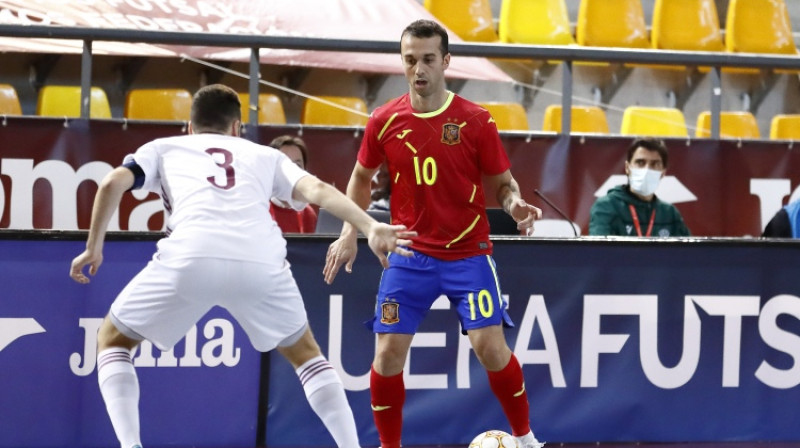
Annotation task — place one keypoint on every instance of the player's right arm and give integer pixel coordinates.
(343, 251)
(106, 201)
(382, 238)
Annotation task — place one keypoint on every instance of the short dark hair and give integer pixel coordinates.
(215, 107)
(284, 140)
(651, 144)
(428, 28)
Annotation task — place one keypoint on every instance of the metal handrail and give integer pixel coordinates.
(567, 54)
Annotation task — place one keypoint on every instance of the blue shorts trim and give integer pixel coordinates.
(410, 285)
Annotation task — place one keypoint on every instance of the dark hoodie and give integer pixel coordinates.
(611, 215)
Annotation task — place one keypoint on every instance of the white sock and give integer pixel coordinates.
(120, 389)
(325, 394)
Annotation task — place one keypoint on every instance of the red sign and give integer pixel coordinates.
(49, 173)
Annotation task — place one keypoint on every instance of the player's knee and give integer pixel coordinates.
(302, 350)
(493, 358)
(109, 336)
(388, 362)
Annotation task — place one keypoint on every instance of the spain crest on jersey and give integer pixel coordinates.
(451, 134)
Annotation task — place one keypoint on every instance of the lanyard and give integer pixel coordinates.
(636, 221)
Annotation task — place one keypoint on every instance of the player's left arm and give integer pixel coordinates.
(508, 196)
(106, 201)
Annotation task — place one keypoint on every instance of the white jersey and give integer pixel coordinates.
(216, 191)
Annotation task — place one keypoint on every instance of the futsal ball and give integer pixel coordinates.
(493, 439)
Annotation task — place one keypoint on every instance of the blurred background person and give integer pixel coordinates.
(381, 189)
(785, 223)
(289, 219)
(633, 209)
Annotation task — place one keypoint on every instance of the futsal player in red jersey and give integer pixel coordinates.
(439, 149)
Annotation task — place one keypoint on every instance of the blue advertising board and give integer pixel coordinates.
(659, 340)
(203, 393)
(619, 341)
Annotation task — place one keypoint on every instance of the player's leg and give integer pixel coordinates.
(267, 304)
(323, 387)
(407, 289)
(118, 382)
(476, 290)
(387, 390)
(505, 379)
(147, 308)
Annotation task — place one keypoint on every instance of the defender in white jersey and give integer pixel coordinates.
(222, 248)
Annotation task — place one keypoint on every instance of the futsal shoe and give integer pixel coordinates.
(528, 441)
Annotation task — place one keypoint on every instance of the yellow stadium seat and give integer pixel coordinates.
(270, 109)
(319, 113)
(785, 127)
(653, 121)
(471, 20)
(759, 26)
(587, 119)
(158, 104)
(691, 25)
(9, 101)
(535, 22)
(612, 23)
(65, 101)
(731, 125)
(507, 116)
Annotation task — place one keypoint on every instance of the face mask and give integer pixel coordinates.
(644, 181)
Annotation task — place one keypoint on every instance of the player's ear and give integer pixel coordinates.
(446, 60)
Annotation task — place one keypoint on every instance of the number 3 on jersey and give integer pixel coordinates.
(425, 173)
(226, 164)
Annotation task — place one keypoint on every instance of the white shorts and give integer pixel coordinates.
(168, 297)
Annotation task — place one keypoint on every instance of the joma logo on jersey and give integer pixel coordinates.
(451, 134)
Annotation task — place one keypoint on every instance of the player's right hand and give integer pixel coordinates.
(93, 260)
(341, 252)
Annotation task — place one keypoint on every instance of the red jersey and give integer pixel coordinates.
(292, 221)
(436, 163)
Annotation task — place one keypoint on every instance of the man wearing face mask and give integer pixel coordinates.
(633, 209)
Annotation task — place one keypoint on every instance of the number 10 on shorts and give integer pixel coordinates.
(485, 304)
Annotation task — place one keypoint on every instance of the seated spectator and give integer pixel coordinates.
(288, 219)
(633, 209)
(785, 223)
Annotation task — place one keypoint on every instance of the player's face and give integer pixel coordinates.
(294, 154)
(424, 64)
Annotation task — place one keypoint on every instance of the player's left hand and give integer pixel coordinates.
(525, 215)
(92, 259)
